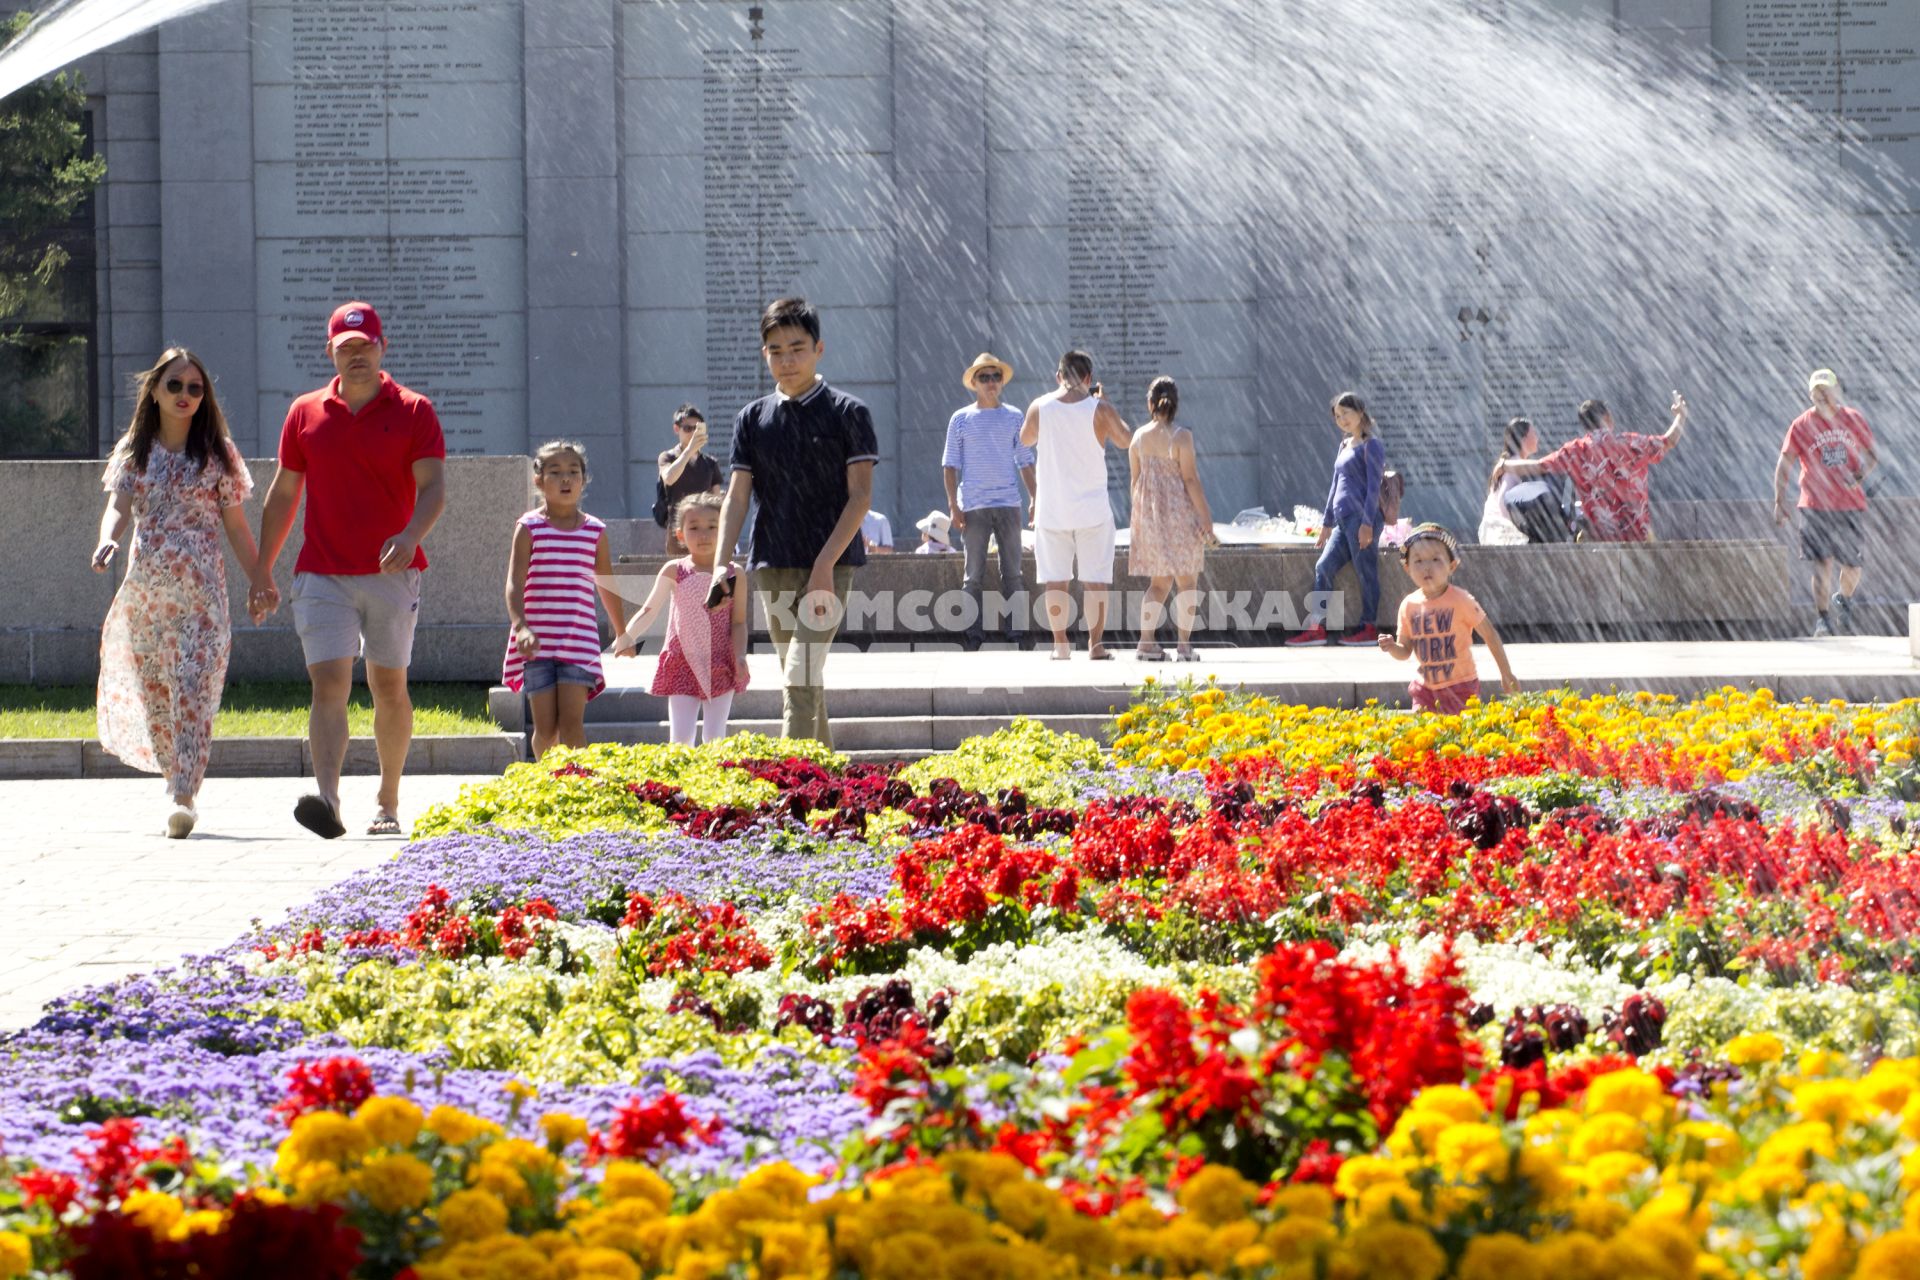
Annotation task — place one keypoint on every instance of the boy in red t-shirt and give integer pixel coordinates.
(1834, 446)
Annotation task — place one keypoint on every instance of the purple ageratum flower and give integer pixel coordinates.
(207, 1001)
(782, 1106)
(575, 873)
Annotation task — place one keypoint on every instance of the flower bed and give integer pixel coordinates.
(1593, 987)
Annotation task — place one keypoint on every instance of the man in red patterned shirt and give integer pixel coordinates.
(1834, 447)
(1609, 471)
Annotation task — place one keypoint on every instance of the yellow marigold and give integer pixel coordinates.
(1755, 1049)
(630, 1180)
(155, 1210)
(1821, 1062)
(1631, 1092)
(321, 1136)
(1611, 1171)
(1451, 1100)
(1711, 1141)
(456, 1128)
(1416, 1131)
(1608, 1131)
(1887, 1087)
(562, 1130)
(1573, 1255)
(16, 1255)
(1599, 1217)
(321, 1182)
(1299, 1239)
(520, 1089)
(1393, 1200)
(1764, 1179)
(1472, 1151)
(470, 1215)
(1499, 1256)
(1023, 1205)
(1217, 1195)
(782, 1182)
(1304, 1200)
(201, 1222)
(595, 1263)
(911, 1255)
(1358, 1173)
(1830, 1102)
(395, 1182)
(1139, 1215)
(1090, 1240)
(1656, 1249)
(1390, 1250)
(789, 1249)
(1910, 1172)
(1550, 1128)
(393, 1122)
(1894, 1256)
(979, 1171)
(500, 1181)
(1793, 1143)
(1830, 1255)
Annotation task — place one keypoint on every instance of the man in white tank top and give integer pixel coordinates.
(1069, 431)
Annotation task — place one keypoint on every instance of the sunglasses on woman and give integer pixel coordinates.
(175, 386)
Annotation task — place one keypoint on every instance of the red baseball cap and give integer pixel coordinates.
(353, 320)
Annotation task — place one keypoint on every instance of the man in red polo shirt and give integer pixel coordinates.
(370, 456)
(1834, 446)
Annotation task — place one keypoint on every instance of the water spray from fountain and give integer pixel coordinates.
(68, 30)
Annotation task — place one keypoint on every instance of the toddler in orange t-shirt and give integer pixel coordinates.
(1437, 625)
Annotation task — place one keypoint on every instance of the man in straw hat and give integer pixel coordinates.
(1834, 447)
(985, 465)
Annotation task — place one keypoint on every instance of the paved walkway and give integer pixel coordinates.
(93, 891)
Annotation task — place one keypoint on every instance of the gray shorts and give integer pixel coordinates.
(371, 615)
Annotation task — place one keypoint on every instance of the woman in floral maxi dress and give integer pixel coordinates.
(163, 648)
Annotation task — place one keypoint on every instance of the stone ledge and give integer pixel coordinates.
(263, 757)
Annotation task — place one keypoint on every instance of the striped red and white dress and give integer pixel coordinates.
(560, 598)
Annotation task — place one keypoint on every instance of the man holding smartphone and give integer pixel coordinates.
(685, 469)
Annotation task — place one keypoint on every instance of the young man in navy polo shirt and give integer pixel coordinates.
(371, 458)
(806, 452)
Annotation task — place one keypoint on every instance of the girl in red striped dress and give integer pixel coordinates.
(704, 661)
(559, 557)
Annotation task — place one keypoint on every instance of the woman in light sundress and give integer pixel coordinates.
(1172, 525)
(163, 649)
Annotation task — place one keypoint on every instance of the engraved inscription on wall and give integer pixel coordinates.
(757, 148)
(388, 167)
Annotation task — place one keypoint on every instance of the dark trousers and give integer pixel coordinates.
(1002, 524)
(1343, 547)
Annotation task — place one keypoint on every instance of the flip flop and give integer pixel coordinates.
(384, 824)
(1105, 655)
(317, 816)
(1153, 655)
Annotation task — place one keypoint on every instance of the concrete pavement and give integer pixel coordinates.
(93, 890)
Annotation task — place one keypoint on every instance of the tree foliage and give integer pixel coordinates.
(45, 176)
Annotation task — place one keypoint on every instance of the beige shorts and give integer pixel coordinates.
(371, 615)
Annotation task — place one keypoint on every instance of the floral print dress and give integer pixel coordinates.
(164, 646)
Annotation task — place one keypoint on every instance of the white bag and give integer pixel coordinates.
(1495, 529)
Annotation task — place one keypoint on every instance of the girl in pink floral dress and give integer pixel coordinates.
(163, 649)
(704, 662)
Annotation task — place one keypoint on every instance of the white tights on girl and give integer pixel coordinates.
(684, 709)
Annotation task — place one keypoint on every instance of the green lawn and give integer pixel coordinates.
(251, 710)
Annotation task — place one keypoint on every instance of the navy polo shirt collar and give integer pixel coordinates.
(819, 385)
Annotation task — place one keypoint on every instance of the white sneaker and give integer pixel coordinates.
(180, 822)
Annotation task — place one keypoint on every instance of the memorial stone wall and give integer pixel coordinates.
(570, 213)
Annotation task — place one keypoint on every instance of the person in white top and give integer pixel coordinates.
(1069, 429)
